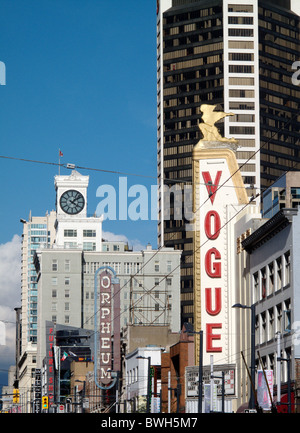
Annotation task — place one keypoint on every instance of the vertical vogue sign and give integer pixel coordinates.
(214, 253)
(213, 262)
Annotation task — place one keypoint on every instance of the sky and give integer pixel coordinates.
(80, 77)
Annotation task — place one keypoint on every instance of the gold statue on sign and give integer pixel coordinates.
(209, 130)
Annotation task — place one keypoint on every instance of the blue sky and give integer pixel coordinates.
(80, 77)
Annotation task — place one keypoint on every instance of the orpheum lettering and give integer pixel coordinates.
(105, 327)
(213, 265)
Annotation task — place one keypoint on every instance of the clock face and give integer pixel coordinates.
(72, 202)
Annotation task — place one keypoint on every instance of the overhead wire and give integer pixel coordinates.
(217, 189)
(169, 180)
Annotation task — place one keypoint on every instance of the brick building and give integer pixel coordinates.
(173, 364)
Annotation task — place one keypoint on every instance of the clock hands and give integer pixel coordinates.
(72, 202)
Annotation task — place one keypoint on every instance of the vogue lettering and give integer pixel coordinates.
(213, 265)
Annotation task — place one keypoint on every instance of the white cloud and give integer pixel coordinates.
(10, 273)
(135, 244)
(10, 297)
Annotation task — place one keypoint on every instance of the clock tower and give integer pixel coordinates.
(71, 195)
(74, 229)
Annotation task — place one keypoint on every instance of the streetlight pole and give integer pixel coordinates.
(252, 368)
(82, 395)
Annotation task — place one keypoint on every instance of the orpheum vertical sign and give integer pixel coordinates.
(105, 328)
(218, 195)
(107, 355)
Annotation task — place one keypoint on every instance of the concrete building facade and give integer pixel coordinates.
(273, 263)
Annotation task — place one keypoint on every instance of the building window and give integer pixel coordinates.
(287, 316)
(54, 293)
(89, 233)
(169, 266)
(263, 328)
(67, 293)
(287, 268)
(271, 278)
(67, 306)
(89, 246)
(54, 306)
(271, 323)
(70, 233)
(256, 286)
(279, 273)
(54, 281)
(169, 281)
(156, 307)
(54, 265)
(70, 244)
(240, 8)
(278, 318)
(67, 281)
(240, 32)
(67, 319)
(67, 265)
(156, 267)
(263, 284)
(54, 318)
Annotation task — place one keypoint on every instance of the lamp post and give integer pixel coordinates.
(149, 380)
(116, 377)
(83, 394)
(252, 369)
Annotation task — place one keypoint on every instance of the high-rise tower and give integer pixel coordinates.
(237, 55)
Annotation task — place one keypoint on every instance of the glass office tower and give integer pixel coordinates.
(237, 55)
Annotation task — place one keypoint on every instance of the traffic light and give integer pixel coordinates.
(45, 402)
(16, 396)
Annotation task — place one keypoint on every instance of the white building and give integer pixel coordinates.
(273, 264)
(38, 232)
(141, 365)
